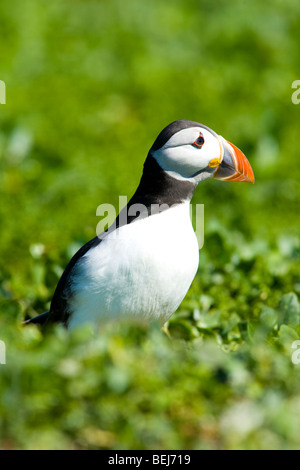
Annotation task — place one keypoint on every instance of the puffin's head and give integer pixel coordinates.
(191, 151)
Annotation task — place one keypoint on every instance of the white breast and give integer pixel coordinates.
(142, 270)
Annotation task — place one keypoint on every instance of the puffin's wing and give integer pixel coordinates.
(59, 305)
(39, 320)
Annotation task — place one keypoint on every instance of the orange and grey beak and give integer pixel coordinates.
(234, 165)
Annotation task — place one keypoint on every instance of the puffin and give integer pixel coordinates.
(142, 266)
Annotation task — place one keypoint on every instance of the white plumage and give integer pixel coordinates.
(141, 270)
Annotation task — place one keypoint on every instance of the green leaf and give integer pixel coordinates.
(289, 310)
(287, 336)
(269, 317)
(182, 329)
(209, 320)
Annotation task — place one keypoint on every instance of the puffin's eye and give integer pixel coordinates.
(199, 142)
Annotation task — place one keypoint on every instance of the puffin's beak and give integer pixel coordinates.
(234, 165)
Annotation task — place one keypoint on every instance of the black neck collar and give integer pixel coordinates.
(157, 191)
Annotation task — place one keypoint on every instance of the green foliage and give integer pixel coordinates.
(89, 86)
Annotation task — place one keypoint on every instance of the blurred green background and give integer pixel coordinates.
(90, 84)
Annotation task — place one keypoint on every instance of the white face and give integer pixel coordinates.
(189, 153)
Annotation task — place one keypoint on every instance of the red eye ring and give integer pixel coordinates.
(199, 142)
